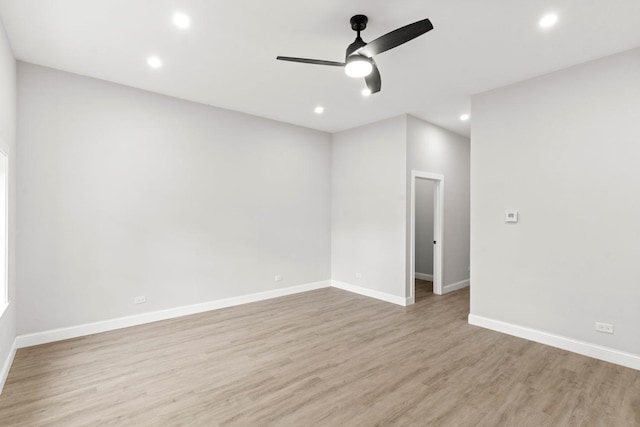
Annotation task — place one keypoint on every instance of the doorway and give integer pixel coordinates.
(422, 182)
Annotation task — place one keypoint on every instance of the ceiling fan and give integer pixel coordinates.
(359, 57)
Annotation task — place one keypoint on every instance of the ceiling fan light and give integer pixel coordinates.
(358, 66)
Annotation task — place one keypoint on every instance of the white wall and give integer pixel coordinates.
(424, 226)
(434, 149)
(8, 144)
(371, 170)
(564, 151)
(124, 192)
(369, 206)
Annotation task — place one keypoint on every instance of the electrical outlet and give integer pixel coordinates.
(278, 278)
(511, 216)
(140, 300)
(358, 275)
(604, 327)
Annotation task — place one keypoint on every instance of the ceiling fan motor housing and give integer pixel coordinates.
(357, 44)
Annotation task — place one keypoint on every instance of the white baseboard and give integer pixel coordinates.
(139, 319)
(6, 367)
(424, 276)
(586, 349)
(455, 286)
(370, 293)
(60, 334)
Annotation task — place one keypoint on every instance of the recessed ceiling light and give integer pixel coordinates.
(181, 20)
(548, 21)
(465, 117)
(319, 110)
(366, 92)
(154, 62)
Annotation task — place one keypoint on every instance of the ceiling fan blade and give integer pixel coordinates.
(396, 38)
(373, 80)
(311, 61)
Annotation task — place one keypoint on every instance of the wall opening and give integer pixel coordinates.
(424, 235)
(4, 199)
(437, 182)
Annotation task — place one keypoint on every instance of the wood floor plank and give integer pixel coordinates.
(326, 358)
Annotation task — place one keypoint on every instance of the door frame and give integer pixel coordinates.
(438, 228)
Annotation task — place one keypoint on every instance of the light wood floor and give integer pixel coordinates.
(326, 357)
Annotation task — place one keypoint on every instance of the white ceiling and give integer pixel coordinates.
(227, 57)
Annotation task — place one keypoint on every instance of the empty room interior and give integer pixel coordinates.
(326, 213)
